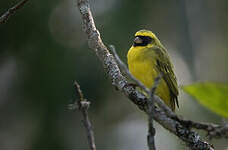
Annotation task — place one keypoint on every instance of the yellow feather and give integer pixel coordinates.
(142, 63)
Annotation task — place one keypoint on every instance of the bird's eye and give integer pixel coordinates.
(142, 40)
(138, 40)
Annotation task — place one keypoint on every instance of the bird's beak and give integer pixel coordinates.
(138, 40)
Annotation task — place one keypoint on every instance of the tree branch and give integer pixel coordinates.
(83, 106)
(151, 107)
(169, 121)
(213, 130)
(151, 130)
(11, 11)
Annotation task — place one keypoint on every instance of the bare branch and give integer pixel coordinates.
(191, 138)
(11, 11)
(156, 83)
(151, 107)
(151, 133)
(83, 106)
(150, 93)
(79, 91)
(213, 130)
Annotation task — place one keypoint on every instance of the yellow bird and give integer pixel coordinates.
(147, 59)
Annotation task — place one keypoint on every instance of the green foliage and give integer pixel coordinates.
(214, 96)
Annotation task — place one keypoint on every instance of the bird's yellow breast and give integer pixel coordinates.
(142, 65)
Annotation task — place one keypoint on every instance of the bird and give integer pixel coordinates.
(147, 59)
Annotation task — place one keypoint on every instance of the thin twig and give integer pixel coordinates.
(156, 83)
(151, 129)
(191, 138)
(213, 130)
(83, 106)
(11, 11)
(79, 91)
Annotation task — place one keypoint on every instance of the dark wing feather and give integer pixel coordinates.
(165, 67)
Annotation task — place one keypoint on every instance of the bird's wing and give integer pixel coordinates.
(165, 67)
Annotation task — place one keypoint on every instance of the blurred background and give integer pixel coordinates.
(43, 50)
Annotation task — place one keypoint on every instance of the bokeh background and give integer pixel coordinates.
(43, 50)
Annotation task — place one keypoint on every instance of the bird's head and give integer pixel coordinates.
(145, 38)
